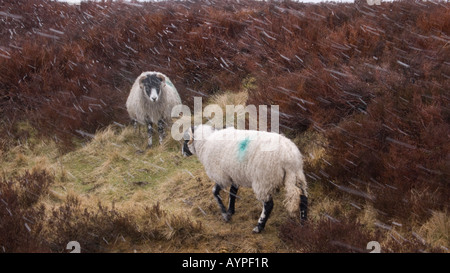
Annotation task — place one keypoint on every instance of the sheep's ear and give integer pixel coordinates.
(162, 78)
(191, 135)
(141, 79)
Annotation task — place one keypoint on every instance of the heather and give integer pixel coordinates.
(362, 90)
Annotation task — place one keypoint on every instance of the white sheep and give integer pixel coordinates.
(151, 100)
(262, 161)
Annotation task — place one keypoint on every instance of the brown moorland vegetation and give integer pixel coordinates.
(370, 82)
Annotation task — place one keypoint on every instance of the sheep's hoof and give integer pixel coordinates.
(226, 216)
(257, 229)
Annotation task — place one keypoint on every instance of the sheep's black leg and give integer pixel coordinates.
(216, 191)
(303, 208)
(161, 131)
(267, 209)
(233, 193)
(150, 133)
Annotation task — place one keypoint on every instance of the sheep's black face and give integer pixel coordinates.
(188, 138)
(185, 149)
(152, 87)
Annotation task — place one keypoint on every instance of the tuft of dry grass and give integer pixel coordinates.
(232, 106)
(436, 231)
(228, 98)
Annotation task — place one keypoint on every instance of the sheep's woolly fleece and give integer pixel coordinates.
(258, 160)
(141, 109)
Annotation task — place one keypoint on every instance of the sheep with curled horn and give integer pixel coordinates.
(262, 161)
(151, 100)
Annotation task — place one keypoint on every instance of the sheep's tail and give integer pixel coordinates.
(296, 193)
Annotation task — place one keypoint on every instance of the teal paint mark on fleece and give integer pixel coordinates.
(169, 82)
(243, 145)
